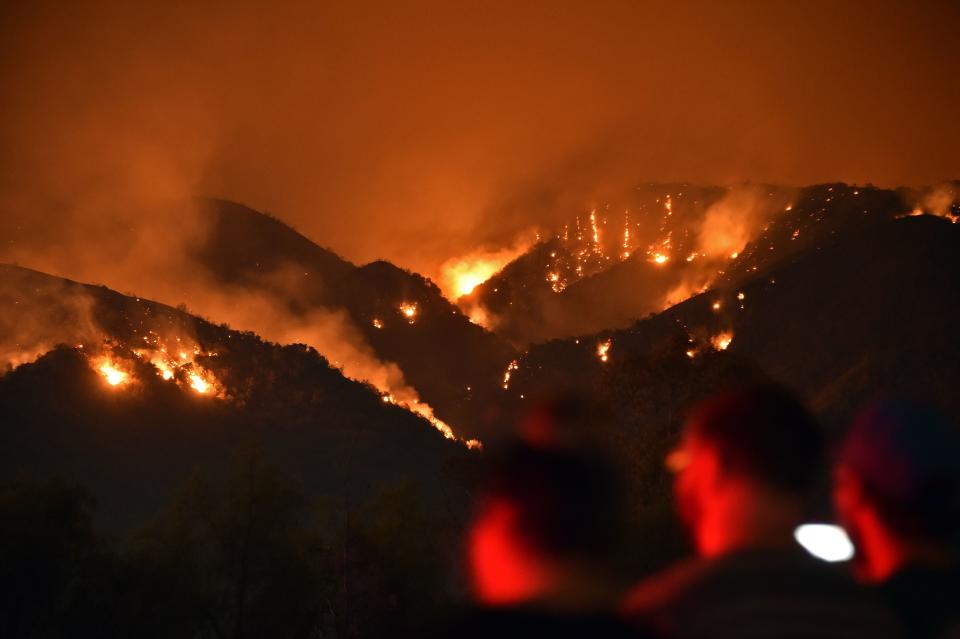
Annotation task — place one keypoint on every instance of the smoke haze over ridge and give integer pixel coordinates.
(419, 132)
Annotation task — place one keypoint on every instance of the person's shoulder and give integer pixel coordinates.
(925, 599)
(766, 590)
(508, 622)
(656, 592)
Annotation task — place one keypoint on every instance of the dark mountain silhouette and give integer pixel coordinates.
(441, 353)
(131, 445)
(867, 306)
(819, 215)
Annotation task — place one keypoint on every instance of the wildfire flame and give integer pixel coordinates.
(414, 405)
(165, 371)
(626, 235)
(603, 350)
(514, 365)
(114, 375)
(722, 340)
(459, 276)
(593, 226)
(175, 364)
(199, 384)
(409, 310)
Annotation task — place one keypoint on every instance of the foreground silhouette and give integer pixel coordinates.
(545, 520)
(745, 465)
(897, 491)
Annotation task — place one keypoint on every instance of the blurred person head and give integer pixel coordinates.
(745, 466)
(546, 515)
(563, 418)
(897, 488)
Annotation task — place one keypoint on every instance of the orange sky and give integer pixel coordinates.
(411, 131)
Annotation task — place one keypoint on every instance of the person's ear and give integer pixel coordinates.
(715, 471)
(847, 490)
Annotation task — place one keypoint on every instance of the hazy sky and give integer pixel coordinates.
(414, 131)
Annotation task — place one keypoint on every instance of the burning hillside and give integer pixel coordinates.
(615, 263)
(129, 341)
(175, 361)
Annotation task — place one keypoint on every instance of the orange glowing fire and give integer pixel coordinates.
(593, 227)
(114, 375)
(166, 372)
(409, 310)
(459, 276)
(513, 366)
(722, 340)
(199, 384)
(660, 258)
(174, 364)
(377, 323)
(413, 404)
(603, 350)
(626, 235)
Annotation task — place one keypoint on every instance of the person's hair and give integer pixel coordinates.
(906, 456)
(921, 518)
(568, 502)
(762, 433)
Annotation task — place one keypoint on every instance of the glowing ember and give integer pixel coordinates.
(603, 350)
(660, 258)
(722, 341)
(734, 255)
(716, 306)
(377, 323)
(409, 310)
(741, 295)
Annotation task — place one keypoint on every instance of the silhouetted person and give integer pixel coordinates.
(546, 518)
(897, 491)
(745, 465)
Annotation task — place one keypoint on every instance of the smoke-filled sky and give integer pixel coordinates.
(414, 131)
